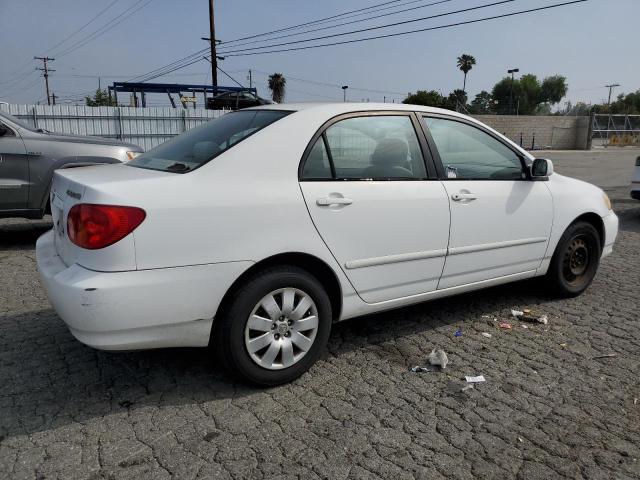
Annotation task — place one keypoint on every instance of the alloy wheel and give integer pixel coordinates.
(281, 328)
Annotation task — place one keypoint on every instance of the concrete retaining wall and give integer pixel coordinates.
(542, 132)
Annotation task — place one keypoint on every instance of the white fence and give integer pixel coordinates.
(146, 127)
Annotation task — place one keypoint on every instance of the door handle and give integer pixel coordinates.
(327, 201)
(459, 197)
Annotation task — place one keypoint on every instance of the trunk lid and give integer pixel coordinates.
(101, 184)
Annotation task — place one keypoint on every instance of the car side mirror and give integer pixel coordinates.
(541, 169)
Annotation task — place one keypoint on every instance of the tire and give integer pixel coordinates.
(575, 261)
(271, 310)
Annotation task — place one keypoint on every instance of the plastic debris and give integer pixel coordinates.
(438, 357)
(458, 333)
(608, 355)
(520, 440)
(635, 401)
(476, 379)
(563, 345)
(419, 369)
(524, 326)
(486, 334)
(505, 325)
(526, 316)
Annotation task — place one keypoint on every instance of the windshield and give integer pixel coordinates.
(200, 145)
(16, 121)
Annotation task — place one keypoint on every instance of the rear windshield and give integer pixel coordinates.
(200, 145)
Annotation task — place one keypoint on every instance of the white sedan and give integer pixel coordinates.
(258, 230)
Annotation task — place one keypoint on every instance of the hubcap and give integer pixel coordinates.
(281, 328)
(576, 259)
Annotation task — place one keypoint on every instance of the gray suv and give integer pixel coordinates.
(28, 158)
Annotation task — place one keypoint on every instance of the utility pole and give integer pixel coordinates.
(344, 92)
(250, 80)
(212, 40)
(512, 72)
(53, 98)
(46, 71)
(611, 87)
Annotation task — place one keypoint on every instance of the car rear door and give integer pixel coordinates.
(14, 171)
(377, 204)
(500, 218)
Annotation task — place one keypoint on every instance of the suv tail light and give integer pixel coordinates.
(97, 226)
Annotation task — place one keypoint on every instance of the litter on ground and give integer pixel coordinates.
(419, 369)
(438, 357)
(505, 325)
(458, 333)
(476, 379)
(526, 316)
(608, 355)
(467, 387)
(486, 334)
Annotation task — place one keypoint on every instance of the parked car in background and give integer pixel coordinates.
(236, 101)
(259, 229)
(635, 182)
(28, 158)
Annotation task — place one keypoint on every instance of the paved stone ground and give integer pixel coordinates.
(548, 409)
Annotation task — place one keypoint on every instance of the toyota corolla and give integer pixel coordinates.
(256, 231)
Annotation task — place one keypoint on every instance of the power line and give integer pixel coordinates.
(388, 25)
(310, 22)
(126, 14)
(439, 27)
(187, 58)
(347, 23)
(83, 26)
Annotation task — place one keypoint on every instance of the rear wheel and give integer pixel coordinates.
(575, 262)
(274, 327)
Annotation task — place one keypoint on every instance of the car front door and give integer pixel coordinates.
(384, 218)
(14, 170)
(500, 218)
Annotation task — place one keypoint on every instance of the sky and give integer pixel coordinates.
(590, 43)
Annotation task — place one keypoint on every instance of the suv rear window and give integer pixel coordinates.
(202, 144)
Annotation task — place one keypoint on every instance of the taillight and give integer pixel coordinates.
(97, 226)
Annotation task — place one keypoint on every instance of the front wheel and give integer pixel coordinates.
(575, 262)
(275, 326)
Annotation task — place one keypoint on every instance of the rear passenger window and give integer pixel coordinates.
(317, 164)
(379, 147)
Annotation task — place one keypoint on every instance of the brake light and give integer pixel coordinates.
(97, 226)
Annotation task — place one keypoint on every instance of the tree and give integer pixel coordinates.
(529, 95)
(482, 104)
(100, 99)
(455, 100)
(465, 64)
(429, 98)
(277, 84)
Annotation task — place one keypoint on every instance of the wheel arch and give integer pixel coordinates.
(595, 220)
(312, 264)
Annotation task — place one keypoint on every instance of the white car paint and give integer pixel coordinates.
(635, 182)
(397, 243)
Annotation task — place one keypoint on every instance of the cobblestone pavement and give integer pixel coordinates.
(548, 408)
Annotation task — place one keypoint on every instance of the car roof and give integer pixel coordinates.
(337, 108)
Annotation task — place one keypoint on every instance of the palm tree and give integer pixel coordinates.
(466, 63)
(277, 83)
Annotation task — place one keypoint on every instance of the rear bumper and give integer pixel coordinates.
(610, 233)
(168, 307)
